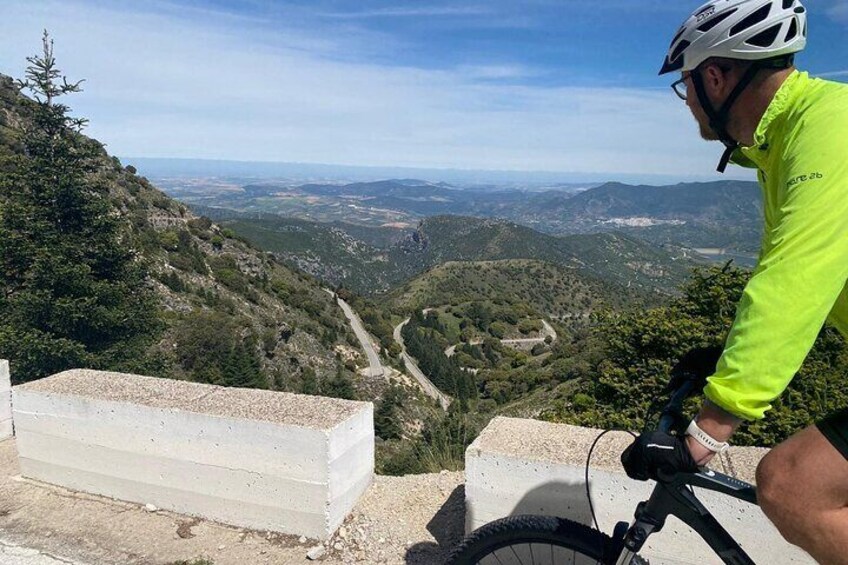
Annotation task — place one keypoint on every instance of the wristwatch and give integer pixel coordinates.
(705, 439)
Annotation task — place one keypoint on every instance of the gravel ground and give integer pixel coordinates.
(414, 520)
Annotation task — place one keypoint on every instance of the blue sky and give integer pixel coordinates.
(532, 85)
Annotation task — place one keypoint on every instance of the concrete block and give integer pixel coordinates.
(521, 466)
(258, 459)
(5, 401)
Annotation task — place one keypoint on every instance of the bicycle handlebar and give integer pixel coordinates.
(675, 405)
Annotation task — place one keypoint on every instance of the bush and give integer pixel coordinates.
(639, 349)
(538, 349)
(169, 240)
(529, 326)
(226, 272)
(498, 330)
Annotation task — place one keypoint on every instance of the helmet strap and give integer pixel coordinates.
(719, 118)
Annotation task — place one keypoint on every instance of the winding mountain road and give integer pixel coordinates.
(409, 362)
(547, 331)
(375, 368)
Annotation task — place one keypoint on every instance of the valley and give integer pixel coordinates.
(726, 214)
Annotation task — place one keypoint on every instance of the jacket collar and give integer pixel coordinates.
(757, 155)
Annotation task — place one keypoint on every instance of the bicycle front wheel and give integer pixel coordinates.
(534, 540)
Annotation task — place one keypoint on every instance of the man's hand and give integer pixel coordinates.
(698, 363)
(657, 451)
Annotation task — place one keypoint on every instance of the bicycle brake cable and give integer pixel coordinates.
(651, 410)
(586, 475)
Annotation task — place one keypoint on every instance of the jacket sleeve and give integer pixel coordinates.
(799, 277)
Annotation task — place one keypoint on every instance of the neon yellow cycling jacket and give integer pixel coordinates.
(801, 153)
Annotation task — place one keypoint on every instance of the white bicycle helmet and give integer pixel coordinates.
(750, 30)
(766, 32)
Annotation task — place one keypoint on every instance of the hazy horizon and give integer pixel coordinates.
(159, 167)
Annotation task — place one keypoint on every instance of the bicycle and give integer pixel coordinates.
(548, 540)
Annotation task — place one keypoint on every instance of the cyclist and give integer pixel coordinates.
(736, 59)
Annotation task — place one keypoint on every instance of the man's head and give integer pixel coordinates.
(724, 47)
(719, 77)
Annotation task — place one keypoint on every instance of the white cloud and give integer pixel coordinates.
(204, 86)
(421, 11)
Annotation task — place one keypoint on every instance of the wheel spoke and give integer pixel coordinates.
(520, 562)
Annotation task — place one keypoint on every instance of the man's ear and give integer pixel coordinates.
(715, 79)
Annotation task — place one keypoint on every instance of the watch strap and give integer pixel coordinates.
(705, 439)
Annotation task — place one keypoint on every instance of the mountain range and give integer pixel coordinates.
(374, 260)
(717, 214)
(725, 215)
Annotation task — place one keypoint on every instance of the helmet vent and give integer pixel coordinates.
(679, 51)
(751, 20)
(676, 37)
(716, 20)
(765, 38)
(793, 30)
(787, 4)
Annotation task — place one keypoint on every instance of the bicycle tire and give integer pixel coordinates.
(559, 541)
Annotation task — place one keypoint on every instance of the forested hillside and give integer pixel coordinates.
(100, 269)
(371, 261)
(609, 257)
(552, 291)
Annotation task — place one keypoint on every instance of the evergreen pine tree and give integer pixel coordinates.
(309, 382)
(340, 386)
(386, 424)
(241, 367)
(72, 292)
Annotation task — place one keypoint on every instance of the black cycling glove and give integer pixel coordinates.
(656, 451)
(698, 363)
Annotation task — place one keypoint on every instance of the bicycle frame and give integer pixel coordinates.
(672, 496)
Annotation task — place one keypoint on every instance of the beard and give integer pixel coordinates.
(707, 133)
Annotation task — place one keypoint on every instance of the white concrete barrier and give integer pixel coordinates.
(5, 401)
(257, 459)
(521, 466)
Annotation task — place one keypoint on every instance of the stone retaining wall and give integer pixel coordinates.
(257, 459)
